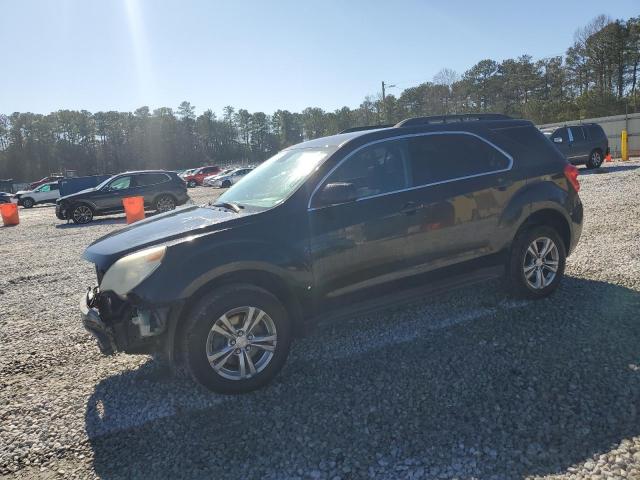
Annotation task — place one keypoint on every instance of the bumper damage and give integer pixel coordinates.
(124, 325)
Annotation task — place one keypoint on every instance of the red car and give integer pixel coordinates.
(51, 178)
(197, 177)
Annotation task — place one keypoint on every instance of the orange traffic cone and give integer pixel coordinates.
(9, 214)
(607, 158)
(134, 208)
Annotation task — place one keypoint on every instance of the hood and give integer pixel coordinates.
(78, 194)
(162, 228)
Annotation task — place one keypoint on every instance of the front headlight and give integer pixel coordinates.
(128, 272)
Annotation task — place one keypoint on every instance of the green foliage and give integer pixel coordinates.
(598, 76)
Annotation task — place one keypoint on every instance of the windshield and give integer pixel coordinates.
(272, 182)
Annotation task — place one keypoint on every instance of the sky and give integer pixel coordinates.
(262, 55)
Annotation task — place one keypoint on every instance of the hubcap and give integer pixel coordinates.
(541, 263)
(82, 214)
(241, 343)
(165, 203)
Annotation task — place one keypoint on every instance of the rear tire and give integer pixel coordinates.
(27, 202)
(81, 214)
(226, 184)
(226, 361)
(165, 203)
(595, 159)
(192, 184)
(536, 262)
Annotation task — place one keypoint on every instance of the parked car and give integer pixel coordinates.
(45, 193)
(208, 181)
(162, 191)
(195, 178)
(346, 221)
(581, 144)
(50, 178)
(5, 197)
(228, 179)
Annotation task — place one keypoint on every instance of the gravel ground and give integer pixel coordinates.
(468, 385)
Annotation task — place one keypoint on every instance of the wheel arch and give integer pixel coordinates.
(552, 218)
(268, 281)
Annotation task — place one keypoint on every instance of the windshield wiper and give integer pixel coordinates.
(229, 206)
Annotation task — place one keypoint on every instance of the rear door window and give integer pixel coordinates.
(151, 179)
(443, 157)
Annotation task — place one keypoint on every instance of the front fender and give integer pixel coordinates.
(192, 264)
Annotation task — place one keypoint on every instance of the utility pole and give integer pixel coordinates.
(384, 101)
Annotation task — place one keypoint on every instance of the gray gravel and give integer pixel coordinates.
(469, 385)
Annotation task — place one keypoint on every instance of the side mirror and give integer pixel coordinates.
(337, 193)
(557, 139)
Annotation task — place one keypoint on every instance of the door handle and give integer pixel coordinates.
(410, 208)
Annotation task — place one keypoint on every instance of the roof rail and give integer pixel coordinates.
(367, 127)
(465, 117)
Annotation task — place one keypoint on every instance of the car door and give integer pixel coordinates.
(150, 185)
(110, 197)
(360, 243)
(560, 138)
(41, 193)
(460, 182)
(579, 145)
(54, 192)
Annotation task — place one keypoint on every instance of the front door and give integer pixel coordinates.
(360, 243)
(579, 146)
(111, 195)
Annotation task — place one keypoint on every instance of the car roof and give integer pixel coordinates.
(412, 126)
(135, 172)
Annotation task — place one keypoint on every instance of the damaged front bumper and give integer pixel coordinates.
(126, 325)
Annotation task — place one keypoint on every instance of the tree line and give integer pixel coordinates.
(597, 76)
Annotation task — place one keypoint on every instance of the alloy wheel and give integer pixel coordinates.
(82, 214)
(165, 204)
(540, 263)
(241, 343)
(596, 159)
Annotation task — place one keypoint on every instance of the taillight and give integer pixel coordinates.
(571, 172)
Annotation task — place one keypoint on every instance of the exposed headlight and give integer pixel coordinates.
(131, 270)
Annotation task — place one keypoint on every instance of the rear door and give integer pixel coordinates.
(460, 184)
(361, 243)
(150, 185)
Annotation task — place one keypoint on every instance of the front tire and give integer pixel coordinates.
(27, 202)
(226, 184)
(536, 263)
(595, 159)
(237, 339)
(81, 214)
(192, 184)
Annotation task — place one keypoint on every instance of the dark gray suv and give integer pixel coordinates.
(581, 144)
(335, 226)
(162, 191)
